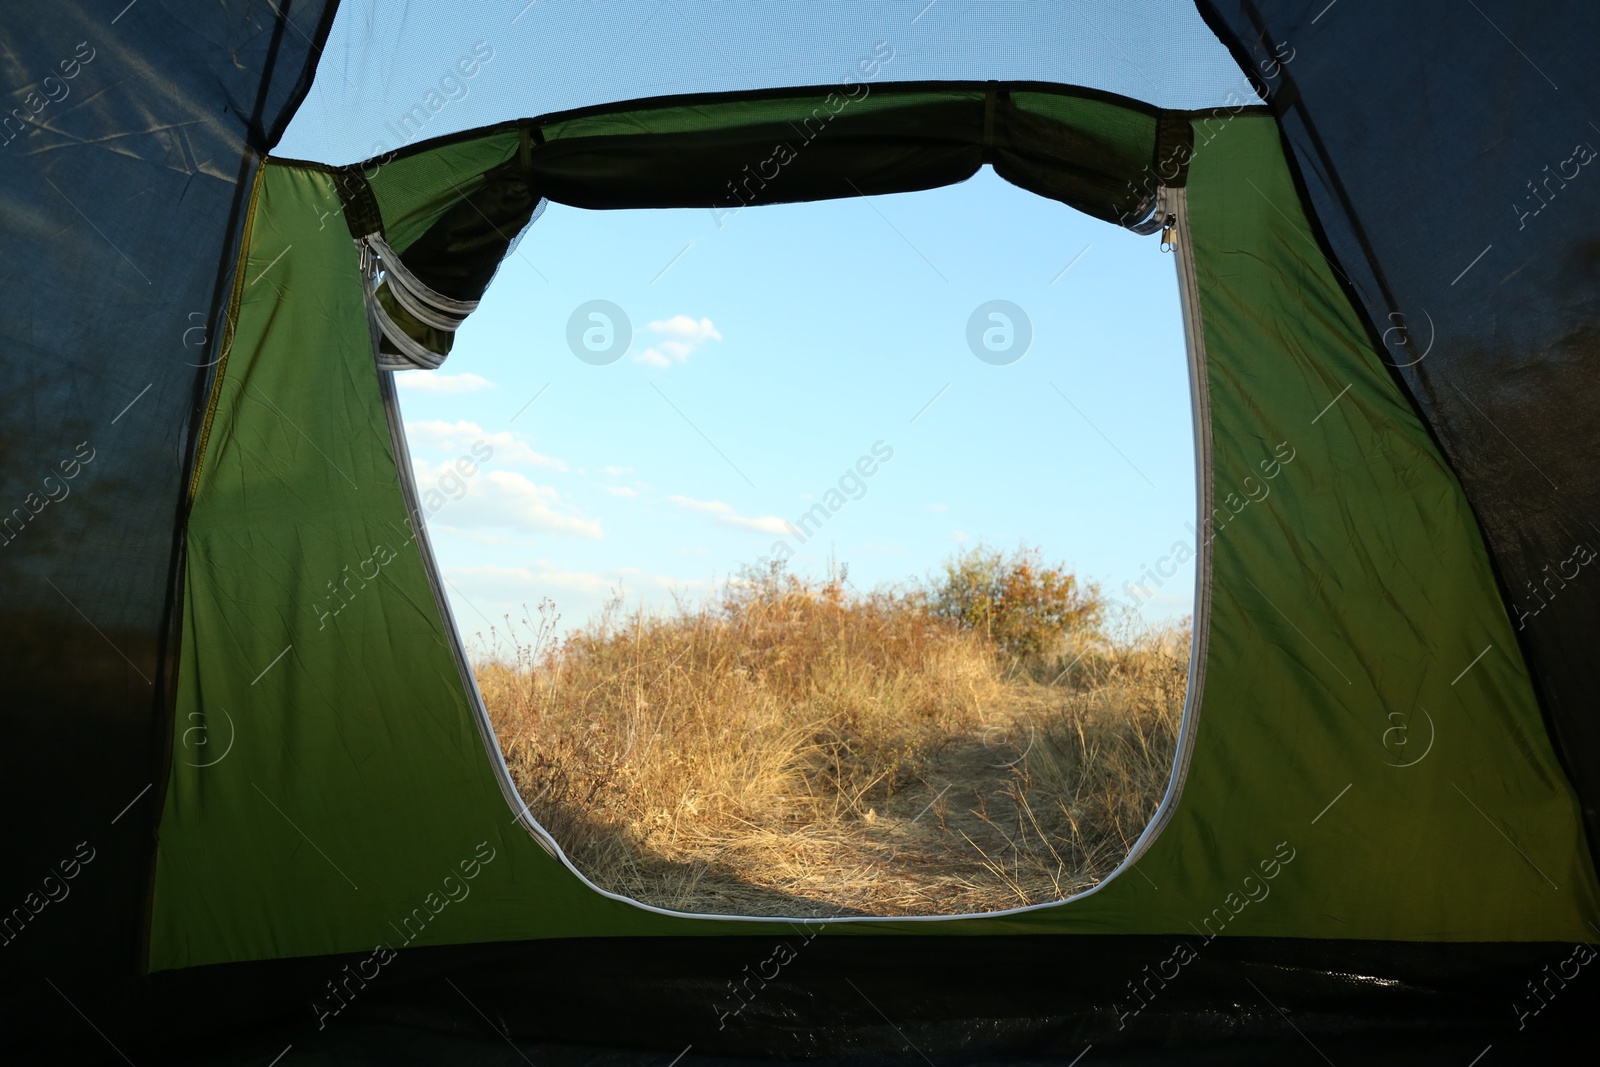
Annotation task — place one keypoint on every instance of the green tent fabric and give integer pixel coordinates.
(1349, 592)
(255, 809)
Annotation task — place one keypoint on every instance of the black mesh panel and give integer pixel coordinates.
(128, 144)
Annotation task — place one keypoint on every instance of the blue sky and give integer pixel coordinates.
(771, 351)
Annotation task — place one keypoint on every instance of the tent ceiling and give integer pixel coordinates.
(373, 84)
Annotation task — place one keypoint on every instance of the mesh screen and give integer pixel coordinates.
(127, 152)
(398, 73)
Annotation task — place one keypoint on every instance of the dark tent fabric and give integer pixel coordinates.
(143, 222)
(131, 136)
(1453, 174)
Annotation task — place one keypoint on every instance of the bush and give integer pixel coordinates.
(1024, 607)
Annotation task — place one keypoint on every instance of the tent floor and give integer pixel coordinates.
(835, 999)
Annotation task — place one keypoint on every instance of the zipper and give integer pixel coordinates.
(458, 651)
(1173, 204)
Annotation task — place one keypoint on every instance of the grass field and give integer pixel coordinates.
(792, 748)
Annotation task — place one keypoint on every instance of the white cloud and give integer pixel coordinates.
(461, 436)
(1150, 597)
(616, 472)
(679, 337)
(938, 507)
(519, 503)
(492, 591)
(683, 328)
(431, 381)
(496, 499)
(543, 572)
(621, 490)
(480, 537)
(769, 524)
(714, 507)
(543, 576)
(765, 524)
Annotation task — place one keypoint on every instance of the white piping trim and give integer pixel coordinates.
(1176, 203)
(419, 309)
(393, 266)
(408, 489)
(428, 307)
(1173, 201)
(413, 354)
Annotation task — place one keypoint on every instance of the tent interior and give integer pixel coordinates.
(1374, 832)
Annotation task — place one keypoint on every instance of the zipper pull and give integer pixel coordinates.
(1169, 233)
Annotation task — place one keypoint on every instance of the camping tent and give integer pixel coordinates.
(201, 433)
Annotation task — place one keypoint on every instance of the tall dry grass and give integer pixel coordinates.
(790, 749)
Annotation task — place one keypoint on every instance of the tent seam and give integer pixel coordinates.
(230, 324)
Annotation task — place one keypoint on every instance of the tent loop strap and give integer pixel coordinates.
(1168, 169)
(361, 211)
(989, 103)
(1173, 149)
(525, 147)
(381, 267)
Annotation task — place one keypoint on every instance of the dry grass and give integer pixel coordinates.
(790, 750)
